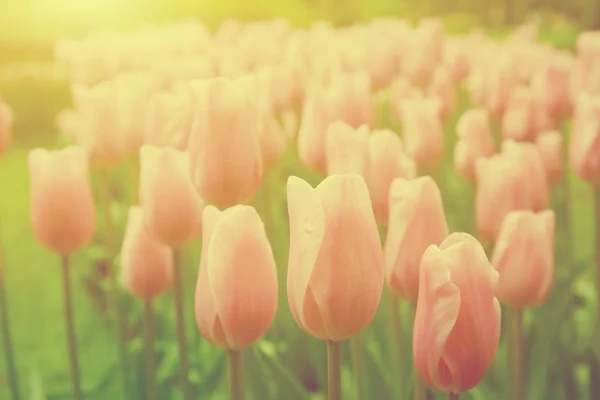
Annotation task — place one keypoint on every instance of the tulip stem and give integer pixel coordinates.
(114, 285)
(8, 351)
(516, 353)
(149, 349)
(71, 338)
(180, 321)
(357, 366)
(236, 379)
(452, 396)
(594, 362)
(397, 339)
(420, 392)
(334, 370)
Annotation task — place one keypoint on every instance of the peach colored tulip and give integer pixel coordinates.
(5, 126)
(225, 153)
(273, 142)
(386, 162)
(517, 121)
(402, 89)
(524, 258)
(416, 221)
(346, 149)
(146, 264)
(62, 206)
(457, 322)
(553, 84)
(352, 100)
(500, 82)
(550, 146)
(502, 186)
(529, 155)
(335, 269)
(166, 120)
(442, 86)
(236, 293)
(474, 141)
(172, 208)
(584, 149)
(422, 131)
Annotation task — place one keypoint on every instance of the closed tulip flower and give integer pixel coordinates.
(62, 206)
(273, 142)
(352, 99)
(387, 161)
(422, 131)
(518, 119)
(346, 149)
(171, 206)
(584, 149)
(236, 293)
(416, 221)
(524, 258)
(443, 87)
(146, 264)
(5, 126)
(502, 186)
(166, 120)
(335, 268)
(457, 322)
(225, 154)
(474, 141)
(549, 145)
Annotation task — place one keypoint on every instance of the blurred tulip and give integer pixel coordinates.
(273, 142)
(422, 131)
(550, 147)
(402, 89)
(584, 149)
(530, 157)
(236, 293)
(386, 162)
(457, 322)
(166, 120)
(171, 206)
(346, 149)
(416, 221)
(5, 126)
(474, 141)
(146, 264)
(517, 120)
(335, 268)
(352, 99)
(524, 258)
(225, 154)
(502, 186)
(62, 207)
(499, 84)
(442, 86)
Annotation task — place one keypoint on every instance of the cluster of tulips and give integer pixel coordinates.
(209, 114)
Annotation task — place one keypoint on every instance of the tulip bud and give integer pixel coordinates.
(335, 268)
(345, 149)
(584, 149)
(352, 99)
(171, 206)
(474, 141)
(62, 206)
(166, 120)
(5, 126)
(422, 131)
(225, 154)
(457, 322)
(387, 161)
(236, 293)
(524, 258)
(549, 145)
(416, 221)
(146, 264)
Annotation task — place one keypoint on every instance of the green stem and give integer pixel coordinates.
(420, 392)
(334, 369)
(397, 339)
(357, 366)
(71, 338)
(594, 362)
(114, 285)
(516, 349)
(149, 349)
(8, 350)
(180, 321)
(236, 378)
(452, 396)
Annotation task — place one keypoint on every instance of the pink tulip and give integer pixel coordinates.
(422, 131)
(386, 162)
(502, 186)
(517, 121)
(500, 82)
(62, 207)
(442, 86)
(225, 153)
(273, 142)
(474, 141)
(171, 206)
(529, 156)
(457, 322)
(416, 221)
(584, 149)
(524, 258)
(346, 149)
(402, 89)
(166, 121)
(335, 269)
(5, 126)
(146, 264)
(352, 99)
(236, 293)
(550, 146)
